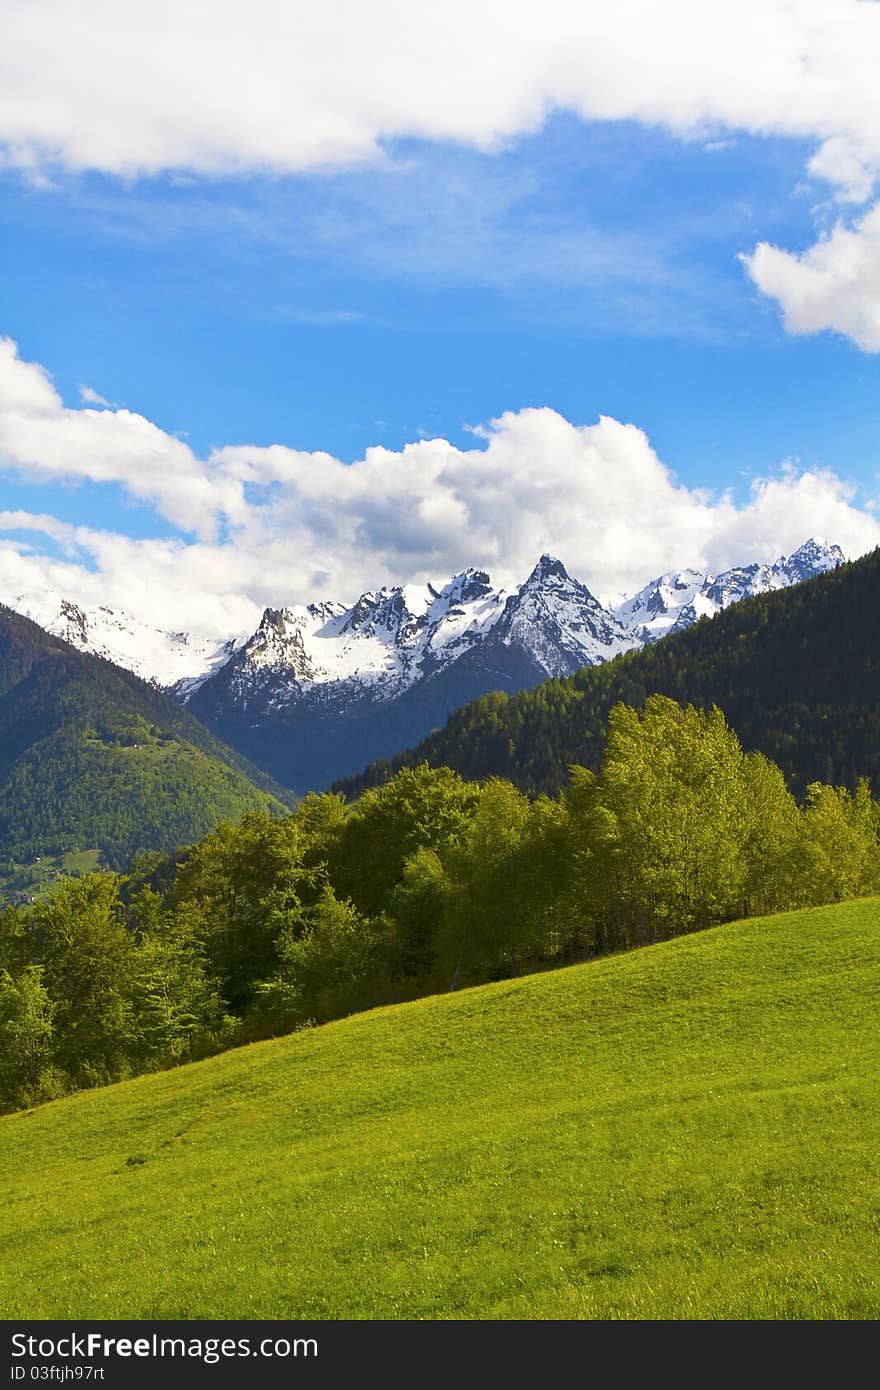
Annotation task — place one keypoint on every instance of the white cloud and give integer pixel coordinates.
(835, 284)
(213, 86)
(850, 166)
(45, 441)
(89, 396)
(277, 525)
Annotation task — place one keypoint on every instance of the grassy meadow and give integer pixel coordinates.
(690, 1130)
(42, 873)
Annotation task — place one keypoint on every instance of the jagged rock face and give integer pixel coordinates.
(391, 639)
(559, 622)
(320, 689)
(76, 624)
(813, 557)
(338, 657)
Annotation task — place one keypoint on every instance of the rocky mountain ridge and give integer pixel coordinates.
(320, 689)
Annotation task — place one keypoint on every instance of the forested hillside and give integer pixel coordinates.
(796, 672)
(91, 757)
(426, 884)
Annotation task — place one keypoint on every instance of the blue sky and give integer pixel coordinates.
(591, 266)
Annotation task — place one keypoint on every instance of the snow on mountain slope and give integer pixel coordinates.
(392, 638)
(378, 647)
(559, 622)
(165, 658)
(675, 601)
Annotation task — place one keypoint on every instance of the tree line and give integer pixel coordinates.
(424, 884)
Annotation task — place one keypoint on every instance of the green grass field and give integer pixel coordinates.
(691, 1130)
(84, 861)
(36, 879)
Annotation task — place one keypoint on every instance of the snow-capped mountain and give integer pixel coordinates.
(393, 638)
(559, 622)
(165, 658)
(375, 649)
(675, 601)
(319, 690)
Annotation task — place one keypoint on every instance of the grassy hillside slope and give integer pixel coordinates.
(689, 1130)
(796, 672)
(91, 757)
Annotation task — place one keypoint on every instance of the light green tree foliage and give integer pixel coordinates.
(178, 1013)
(15, 948)
(88, 960)
(770, 837)
(320, 818)
(421, 806)
(486, 924)
(591, 840)
(490, 902)
(332, 966)
(543, 880)
(26, 1072)
(838, 853)
(673, 784)
(249, 885)
(417, 908)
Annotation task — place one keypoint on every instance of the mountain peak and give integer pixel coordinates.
(813, 557)
(272, 618)
(344, 656)
(466, 586)
(815, 548)
(548, 567)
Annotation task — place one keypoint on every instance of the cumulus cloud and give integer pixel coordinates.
(175, 586)
(271, 525)
(89, 396)
(214, 86)
(45, 441)
(835, 284)
(850, 166)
